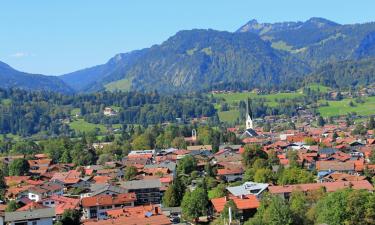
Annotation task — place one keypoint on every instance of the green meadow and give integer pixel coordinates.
(336, 108)
(80, 125)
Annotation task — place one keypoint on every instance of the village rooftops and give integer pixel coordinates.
(108, 200)
(29, 215)
(248, 188)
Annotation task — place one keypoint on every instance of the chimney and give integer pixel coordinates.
(157, 210)
(225, 198)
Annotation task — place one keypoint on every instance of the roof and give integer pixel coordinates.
(31, 206)
(329, 186)
(29, 214)
(243, 202)
(335, 165)
(142, 184)
(108, 200)
(108, 187)
(132, 220)
(247, 188)
(199, 147)
(46, 187)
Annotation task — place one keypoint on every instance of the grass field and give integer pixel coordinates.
(270, 99)
(6, 101)
(121, 85)
(318, 87)
(82, 126)
(342, 107)
(229, 116)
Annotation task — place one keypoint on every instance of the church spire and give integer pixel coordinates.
(249, 119)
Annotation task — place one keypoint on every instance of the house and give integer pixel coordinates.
(104, 189)
(231, 171)
(140, 215)
(248, 188)
(96, 207)
(37, 193)
(246, 205)
(108, 111)
(327, 166)
(31, 217)
(147, 191)
(60, 203)
(285, 190)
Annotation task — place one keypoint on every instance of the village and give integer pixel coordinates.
(140, 188)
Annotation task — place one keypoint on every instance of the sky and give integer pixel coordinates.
(57, 37)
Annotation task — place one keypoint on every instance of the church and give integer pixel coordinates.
(249, 132)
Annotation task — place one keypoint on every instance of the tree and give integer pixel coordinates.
(252, 153)
(142, 142)
(103, 158)
(372, 156)
(234, 210)
(18, 167)
(295, 175)
(371, 123)
(71, 217)
(209, 169)
(12, 206)
(273, 210)
(170, 197)
(263, 175)
(217, 192)
(299, 207)
(130, 172)
(321, 121)
(179, 142)
(194, 204)
(3, 186)
(187, 165)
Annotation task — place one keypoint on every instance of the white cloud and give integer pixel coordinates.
(19, 55)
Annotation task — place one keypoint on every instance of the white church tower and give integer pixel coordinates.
(249, 120)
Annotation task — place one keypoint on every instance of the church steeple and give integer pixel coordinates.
(249, 119)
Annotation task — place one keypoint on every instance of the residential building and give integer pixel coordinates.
(96, 207)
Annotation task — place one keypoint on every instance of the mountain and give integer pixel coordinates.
(92, 78)
(194, 60)
(345, 73)
(317, 40)
(10, 77)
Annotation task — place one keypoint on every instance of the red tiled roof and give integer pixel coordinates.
(30, 206)
(228, 171)
(101, 179)
(244, 202)
(106, 200)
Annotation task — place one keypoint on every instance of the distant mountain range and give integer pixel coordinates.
(256, 55)
(11, 78)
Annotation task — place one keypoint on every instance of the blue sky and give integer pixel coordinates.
(56, 37)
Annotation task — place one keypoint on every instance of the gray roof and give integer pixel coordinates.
(248, 188)
(141, 184)
(108, 187)
(166, 164)
(30, 214)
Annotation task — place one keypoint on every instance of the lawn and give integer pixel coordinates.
(229, 116)
(342, 107)
(82, 126)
